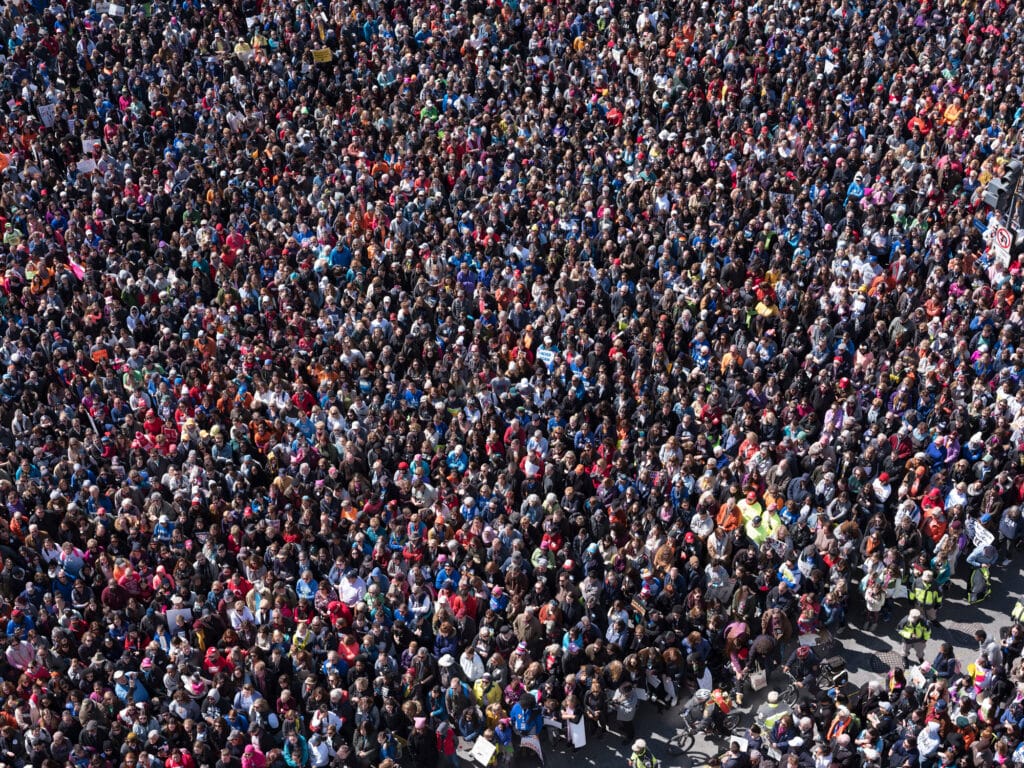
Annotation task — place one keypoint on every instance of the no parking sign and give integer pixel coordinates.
(1001, 242)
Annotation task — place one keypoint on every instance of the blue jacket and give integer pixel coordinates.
(443, 645)
(527, 723)
(296, 755)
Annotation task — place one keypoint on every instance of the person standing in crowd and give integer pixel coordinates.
(925, 596)
(625, 702)
(914, 630)
(641, 757)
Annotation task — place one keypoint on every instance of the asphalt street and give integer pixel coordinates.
(868, 656)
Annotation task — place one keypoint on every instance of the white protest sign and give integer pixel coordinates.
(578, 734)
(173, 614)
(47, 113)
(980, 535)
(532, 743)
(483, 751)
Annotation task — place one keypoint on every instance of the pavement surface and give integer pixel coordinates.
(868, 656)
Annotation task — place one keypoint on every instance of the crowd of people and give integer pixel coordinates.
(379, 376)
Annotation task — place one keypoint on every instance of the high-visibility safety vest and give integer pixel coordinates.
(979, 586)
(643, 760)
(774, 714)
(926, 595)
(1017, 614)
(916, 631)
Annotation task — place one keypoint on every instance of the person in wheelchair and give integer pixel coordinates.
(707, 711)
(693, 713)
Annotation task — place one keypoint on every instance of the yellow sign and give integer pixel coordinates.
(322, 56)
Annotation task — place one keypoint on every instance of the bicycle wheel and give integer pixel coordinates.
(788, 695)
(731, 721)
(681, 744)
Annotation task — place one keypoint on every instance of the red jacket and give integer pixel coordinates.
(446, 742)
(180, 759)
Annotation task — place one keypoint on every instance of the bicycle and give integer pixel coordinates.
(789, 693)
(831, 674)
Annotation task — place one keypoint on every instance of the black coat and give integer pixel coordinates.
(423, 749)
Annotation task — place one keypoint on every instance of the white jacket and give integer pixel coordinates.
(320, 754)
